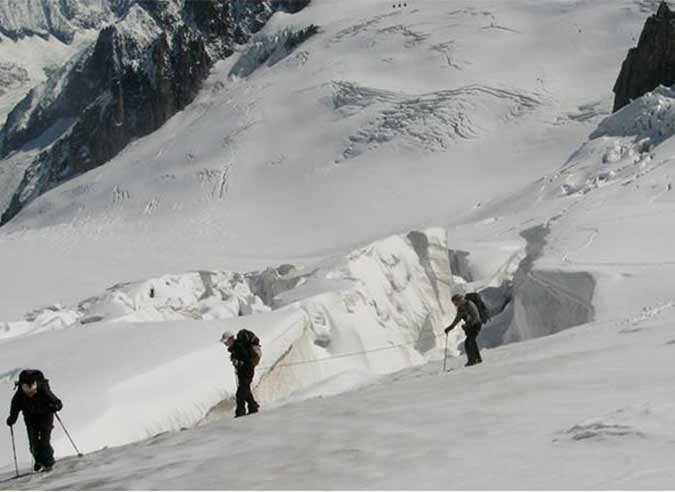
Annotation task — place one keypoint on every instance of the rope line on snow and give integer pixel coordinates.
(351, 354)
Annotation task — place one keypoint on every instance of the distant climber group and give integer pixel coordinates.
(34, 398)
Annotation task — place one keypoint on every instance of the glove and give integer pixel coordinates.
(237, 363)
(447, 330)
(11, 421)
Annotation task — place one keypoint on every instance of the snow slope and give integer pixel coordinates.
(571, 411)
(378, 123)
(605, 211)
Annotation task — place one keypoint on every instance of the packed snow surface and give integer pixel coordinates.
(489, 118)
(582, 409)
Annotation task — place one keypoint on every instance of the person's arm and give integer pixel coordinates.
(457, 319)
(14, 410)
(55, 404)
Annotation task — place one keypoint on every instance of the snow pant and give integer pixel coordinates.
(471, 344)
(245, 395)
(39, 436)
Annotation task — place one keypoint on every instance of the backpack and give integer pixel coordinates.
(480, 305)
(250, 340)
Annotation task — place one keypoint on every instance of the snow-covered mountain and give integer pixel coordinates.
(38, 36)
(295, 196)
(140, 72)
(61, 19)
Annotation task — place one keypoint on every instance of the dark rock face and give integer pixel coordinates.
(652, 62)
(140, 72)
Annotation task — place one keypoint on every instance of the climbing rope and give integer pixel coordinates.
(351, 354)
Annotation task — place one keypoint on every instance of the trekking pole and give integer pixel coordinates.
(67, 434)
(16, 463)
(445, 355)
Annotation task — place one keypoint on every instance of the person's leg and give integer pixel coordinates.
(240, 397)
(470, 346)
(479, 359)
(32, 432)
(45, 451)
(247, 395)
(250, 399)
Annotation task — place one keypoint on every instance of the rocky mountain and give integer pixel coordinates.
(58, 18)
(11, 75)
(652, 62)
(140, 71)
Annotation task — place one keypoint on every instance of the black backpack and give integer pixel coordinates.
(250, 340)
(480, 305)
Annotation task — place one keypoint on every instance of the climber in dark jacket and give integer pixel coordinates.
(242, 357)
(37, 402)
(468, 312)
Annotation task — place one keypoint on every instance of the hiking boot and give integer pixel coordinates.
(253, 410)
(47, 469)
(470, 363)
(37, 467)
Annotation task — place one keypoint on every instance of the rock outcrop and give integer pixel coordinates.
(652, 62)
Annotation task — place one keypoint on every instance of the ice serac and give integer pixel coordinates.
(140, 72)
(652, 62)
(546, 301)
(389, 315)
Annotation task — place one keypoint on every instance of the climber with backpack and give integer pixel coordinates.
(35, 399)
(245, 354)
(473, 312)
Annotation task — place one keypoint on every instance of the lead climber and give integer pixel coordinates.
(468, 312)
